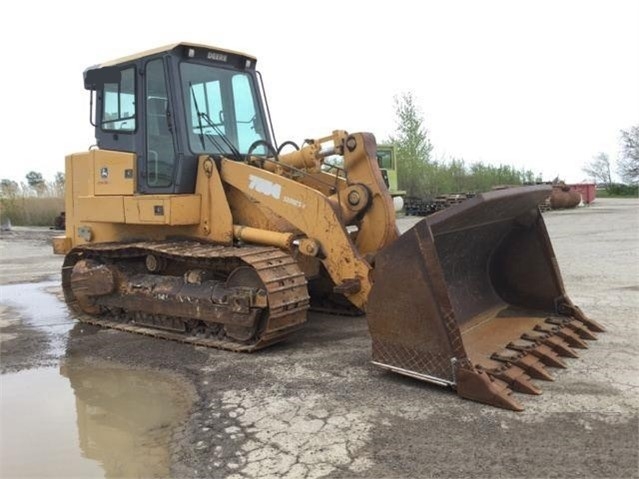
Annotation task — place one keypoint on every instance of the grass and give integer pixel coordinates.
(30, 211)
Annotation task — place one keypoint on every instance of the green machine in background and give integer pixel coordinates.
(387, 161)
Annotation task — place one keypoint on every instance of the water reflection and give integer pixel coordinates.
(88, 417)
(124, 417)
(38, 437)
(110, 422)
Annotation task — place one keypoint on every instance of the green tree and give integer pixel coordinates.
(36, 182)
(413, 147)
(421, 175)
(599, 169)
(628, 166)
(456, 171)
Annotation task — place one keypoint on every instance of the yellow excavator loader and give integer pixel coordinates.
(187, 222)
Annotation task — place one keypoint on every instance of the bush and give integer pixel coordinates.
(619, 190)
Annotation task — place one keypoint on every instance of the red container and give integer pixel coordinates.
(587, 190)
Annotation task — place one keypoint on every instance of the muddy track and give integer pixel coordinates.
(285, 286)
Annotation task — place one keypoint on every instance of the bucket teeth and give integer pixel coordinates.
(566, 334)
(591, 324)
(527, 362)
(582, 331)
(516, 378)
(574, 325)
(477, 385)
(577, 313)
(545, 354)
(555, 343)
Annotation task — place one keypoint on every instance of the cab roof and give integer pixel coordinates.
(171, 47)
(109, 71)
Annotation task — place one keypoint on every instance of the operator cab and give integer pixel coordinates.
(172, 104)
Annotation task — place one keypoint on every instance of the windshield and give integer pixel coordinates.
(221, 108)
(384, 159)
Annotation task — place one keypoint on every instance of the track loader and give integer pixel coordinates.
(187, 222)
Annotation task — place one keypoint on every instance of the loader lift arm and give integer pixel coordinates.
(362, 201)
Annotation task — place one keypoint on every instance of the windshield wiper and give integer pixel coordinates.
(229, 144)
(236, 153)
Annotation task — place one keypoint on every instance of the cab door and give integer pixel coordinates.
(157, 165)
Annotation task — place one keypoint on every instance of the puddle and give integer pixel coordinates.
(85, 418)
(88, 419)
(41, 309)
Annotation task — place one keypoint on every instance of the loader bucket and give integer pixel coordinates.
(471, 297)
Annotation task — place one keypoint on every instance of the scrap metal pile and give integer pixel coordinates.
(416, 206)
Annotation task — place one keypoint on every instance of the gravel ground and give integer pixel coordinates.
(314, 406)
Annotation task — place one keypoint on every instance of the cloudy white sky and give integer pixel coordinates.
(538, 84)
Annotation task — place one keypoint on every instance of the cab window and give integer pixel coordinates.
(118, 112)
(384, 159)
(221, 110)
(245, 113)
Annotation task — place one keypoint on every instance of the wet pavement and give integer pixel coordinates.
(79, 401)
(40, 309)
